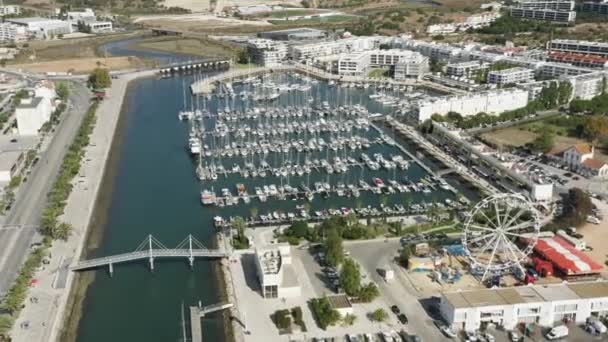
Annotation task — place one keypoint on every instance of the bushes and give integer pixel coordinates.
(63, 184)
(296, 313)
(324, 313)
(378, 315)
(282, 320)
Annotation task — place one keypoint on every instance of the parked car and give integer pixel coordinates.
(557, 332)
(402, 318)
(395, 309)
(514, 336)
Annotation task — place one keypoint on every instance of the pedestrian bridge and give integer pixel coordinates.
(150, 249)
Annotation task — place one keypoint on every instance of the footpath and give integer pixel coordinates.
(42, 317)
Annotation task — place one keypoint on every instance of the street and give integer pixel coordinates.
(31, 198)
(373, 255)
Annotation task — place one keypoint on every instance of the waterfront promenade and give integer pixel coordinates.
(48, 297)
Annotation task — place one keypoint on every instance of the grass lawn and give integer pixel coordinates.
(378, 73)
(288, 13)
(190, 46)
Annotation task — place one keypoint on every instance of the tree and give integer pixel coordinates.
(368, 293)
(282, 319)
(404, 256)
(334, 251)
(63, 231)
(100, 78)
(325, 314)
(595, 127)
(545, 141)
(299, 229)
(242, 56)
(62, 90)
(378, 315)
(350, 277)
(238, 224)
(577, 206)
(349, 319)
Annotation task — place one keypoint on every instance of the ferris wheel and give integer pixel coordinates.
(500, 233)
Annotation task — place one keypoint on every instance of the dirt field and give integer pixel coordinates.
(82, 65)
(200, 23)
(192, 5)
(514, 136)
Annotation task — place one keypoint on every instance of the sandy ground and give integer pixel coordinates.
(514, 136)
(81, 65)
(596, 236)
(196, 18)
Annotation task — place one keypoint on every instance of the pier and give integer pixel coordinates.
(197, 312)
(207, 64)
(208, 85)
(150, 249)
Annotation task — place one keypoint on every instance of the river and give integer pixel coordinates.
(153, 190)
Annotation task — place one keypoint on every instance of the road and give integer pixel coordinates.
(31, 198)
(373, 255)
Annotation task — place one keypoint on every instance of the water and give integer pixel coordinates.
(154, 192)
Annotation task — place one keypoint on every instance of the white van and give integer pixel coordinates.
(558, 332)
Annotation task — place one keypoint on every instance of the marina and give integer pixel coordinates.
(278, 148)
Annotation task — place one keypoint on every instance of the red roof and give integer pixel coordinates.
(593, 163)
(566, 258)
(576, 57)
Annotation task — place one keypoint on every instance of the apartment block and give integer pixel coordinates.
(579, 46)
(546, 15)
(510, 76)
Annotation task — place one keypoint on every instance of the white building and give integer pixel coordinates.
(12, 33)
(465, 69)
(545, 305)
(544, 14)
(407, 64)
(586, 86)
(581, 46)
(490, 102)
(31, 114)
(561, 5)
(43, 27)
(510, 76)
(267, 52)
(474, 21)
(310, 51)
(441, 28)
(10, 10)
(85, 15)
(551, 69)
(438, 51)
(354, 64)
(277, 277)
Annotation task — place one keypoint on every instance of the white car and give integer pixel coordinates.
(515, 337)
(447, 331)
(489, 337)
(471, 336)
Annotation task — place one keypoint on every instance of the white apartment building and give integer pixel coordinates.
(545, 305)
(490, 102)
(85, 15)
(267, 52)
(560, 5)
(544, 14)
(414, 67)
(43, 27)
(12, 33)
(354, 64)
(310, 51)
(474, 21)
(10, 10)
(550, 69)
(510, 76)
(580, 46)
(278, 278)
(439, 51)
(31, 114)
(100, 26)
(407, 64)
(586, 86)
(465, 69)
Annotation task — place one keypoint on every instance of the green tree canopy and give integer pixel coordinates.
(545, 141)
(334, 251)
(378, 315)
(350, 277)
(100, 78)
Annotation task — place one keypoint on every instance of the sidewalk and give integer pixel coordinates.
(47, 299)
